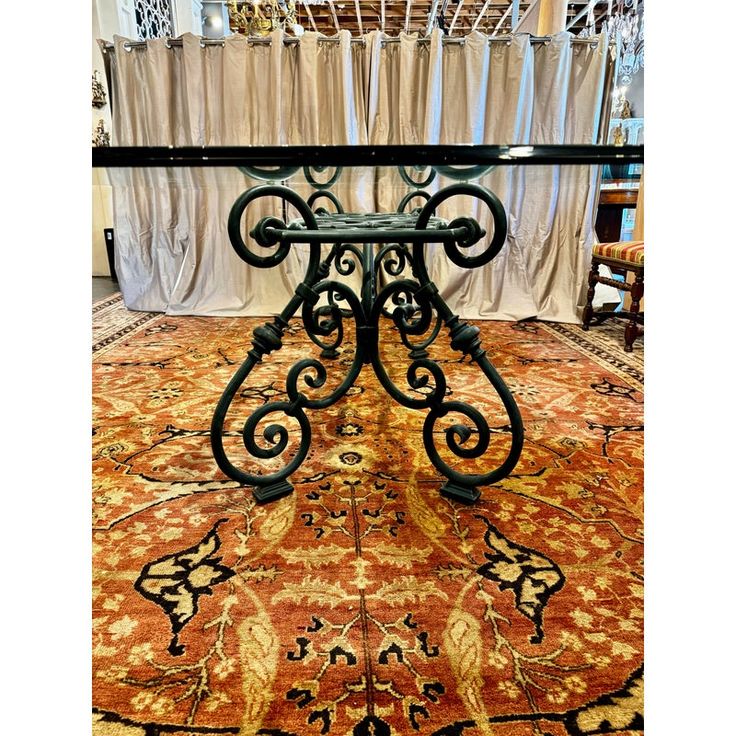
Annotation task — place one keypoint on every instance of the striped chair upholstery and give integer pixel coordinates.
(629, 252)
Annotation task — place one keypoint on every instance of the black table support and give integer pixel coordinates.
(413, 304)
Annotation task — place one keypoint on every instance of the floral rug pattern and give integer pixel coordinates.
(365, 603)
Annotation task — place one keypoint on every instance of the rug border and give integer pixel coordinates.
(602, 357)
(132, 327)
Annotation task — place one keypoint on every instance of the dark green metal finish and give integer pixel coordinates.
(327, 195)
(319, 169)
(409, 196)
(278, 173)
(413, 304)
(406, 176)
(466, 173)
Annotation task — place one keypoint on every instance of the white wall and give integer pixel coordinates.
(104, 25)
(187, 16)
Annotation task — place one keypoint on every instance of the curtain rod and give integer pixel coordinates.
(266, 41)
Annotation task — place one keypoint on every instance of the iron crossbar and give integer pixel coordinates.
(366, 235)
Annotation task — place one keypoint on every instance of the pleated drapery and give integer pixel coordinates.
(173, 253)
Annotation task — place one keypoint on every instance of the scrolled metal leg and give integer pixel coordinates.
(464, 338)
(463, 486)
(427, 375)
(309, 371)
(268, 338)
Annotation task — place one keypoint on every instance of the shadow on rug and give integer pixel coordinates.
(365, 603)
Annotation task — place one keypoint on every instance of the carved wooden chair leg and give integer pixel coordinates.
(632, 327)
(592, 281)
(626, 257)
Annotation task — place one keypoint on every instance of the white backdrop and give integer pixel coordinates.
(173, 254)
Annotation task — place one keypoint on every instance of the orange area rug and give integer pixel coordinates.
(365, 603)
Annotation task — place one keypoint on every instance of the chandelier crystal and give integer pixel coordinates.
(627, 25)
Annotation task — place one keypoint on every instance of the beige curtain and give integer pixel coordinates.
(172, 248)
(173, 251)
(481, 93)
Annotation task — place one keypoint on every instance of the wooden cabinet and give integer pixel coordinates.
(611, 206)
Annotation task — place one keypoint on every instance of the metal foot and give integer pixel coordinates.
(272, 492)
(456, 492)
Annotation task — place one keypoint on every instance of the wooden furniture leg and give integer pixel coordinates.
(632, 328)
(592, 281)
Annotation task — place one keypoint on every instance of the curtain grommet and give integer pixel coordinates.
(166, 42)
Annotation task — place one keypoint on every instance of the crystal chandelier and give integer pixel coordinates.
(628, 25)
(260, 17)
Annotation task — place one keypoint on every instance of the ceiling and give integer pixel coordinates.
(413, 15)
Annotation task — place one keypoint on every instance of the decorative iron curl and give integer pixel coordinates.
(262, 233)
(327, 195)
(456, 436)
(325, 321)
(276, 435)
(281, 173)
(412, 317)
(398, 298)
(409, 196)
(402, 316)
(417, 381)
(299, 370)
(334, 298)
(316, 328)
(462, 485)
(319, 169)
(465, 173)
(309, 373)
(344, 265)
(404, 174)
(474, 232)
(394, 266)
(406, 306)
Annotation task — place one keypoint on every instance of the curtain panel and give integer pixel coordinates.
(173, 253)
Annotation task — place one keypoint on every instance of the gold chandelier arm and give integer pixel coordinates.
(261, 17)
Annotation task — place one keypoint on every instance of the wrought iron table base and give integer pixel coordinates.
(416, 308)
